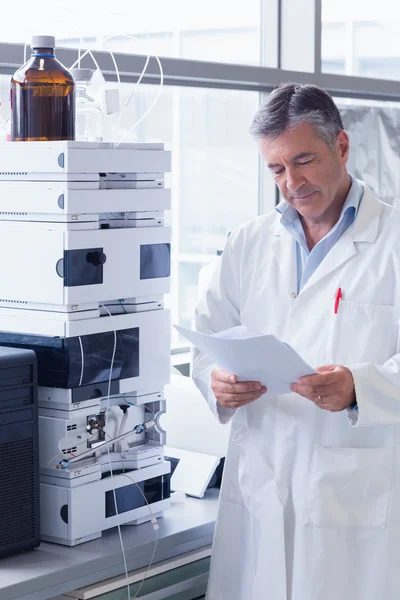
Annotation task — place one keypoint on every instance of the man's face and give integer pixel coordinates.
(309, 174)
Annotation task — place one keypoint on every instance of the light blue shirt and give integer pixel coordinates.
(308, 262)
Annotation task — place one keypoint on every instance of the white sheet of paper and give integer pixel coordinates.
(252, 357)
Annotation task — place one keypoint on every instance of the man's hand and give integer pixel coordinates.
(231, 394)
(332, 389)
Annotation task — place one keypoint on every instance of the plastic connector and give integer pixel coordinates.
(112, 103)
(63, 464)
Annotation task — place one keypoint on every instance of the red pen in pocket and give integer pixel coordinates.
(337, 300)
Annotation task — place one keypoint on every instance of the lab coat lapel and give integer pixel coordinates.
(284, 249)
(341, 252)
(364, 229)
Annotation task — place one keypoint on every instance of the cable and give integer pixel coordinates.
(79, 444)
(155, 527)
(141, 74)
(82, 361)
(109, 460)
(132, 404)
(122, 426)
(136, 430)
(151, 106)
(153, 519)
(80, 57)
(138, 81)
(78, 61)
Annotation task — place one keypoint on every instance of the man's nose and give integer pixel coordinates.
(294, 180)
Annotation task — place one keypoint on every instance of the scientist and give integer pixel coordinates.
(309, 506)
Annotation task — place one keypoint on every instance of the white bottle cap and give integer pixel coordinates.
(43, 41)
(82, 74)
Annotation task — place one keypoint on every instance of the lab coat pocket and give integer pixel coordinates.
(349, 487)
(361, 333)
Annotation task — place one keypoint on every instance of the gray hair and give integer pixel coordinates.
(292, 104)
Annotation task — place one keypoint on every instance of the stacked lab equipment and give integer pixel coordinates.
(19, 454)
(86, 262)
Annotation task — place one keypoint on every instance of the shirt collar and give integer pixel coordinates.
(289, 214)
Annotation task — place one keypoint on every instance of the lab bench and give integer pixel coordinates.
(95, 570)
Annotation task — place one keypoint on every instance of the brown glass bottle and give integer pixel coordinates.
(42, 97)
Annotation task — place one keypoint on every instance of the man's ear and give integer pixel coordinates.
(343, 146)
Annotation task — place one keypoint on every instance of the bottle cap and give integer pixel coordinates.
(82, 74)
(43, 41)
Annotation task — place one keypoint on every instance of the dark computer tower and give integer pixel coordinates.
(19, 454)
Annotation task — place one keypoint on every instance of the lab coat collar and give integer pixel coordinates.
(364, 229)
(366, 224)
(289, 215)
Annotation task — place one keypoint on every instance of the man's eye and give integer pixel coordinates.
(305, 163)
(277, 172)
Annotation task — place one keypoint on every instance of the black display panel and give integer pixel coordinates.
(155, 261)
(83, 267)
(60, 359)
(130, 497)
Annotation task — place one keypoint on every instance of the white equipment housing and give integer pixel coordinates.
(87, 265)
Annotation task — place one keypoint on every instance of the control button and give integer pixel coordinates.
(96, 258)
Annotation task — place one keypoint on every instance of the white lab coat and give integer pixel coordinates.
(310, 501)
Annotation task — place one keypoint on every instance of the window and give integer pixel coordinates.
(220, 31)
(360, 38)
(333, 45)
(214, 179)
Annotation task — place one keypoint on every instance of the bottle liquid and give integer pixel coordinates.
(42, 96)
(89, 116)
